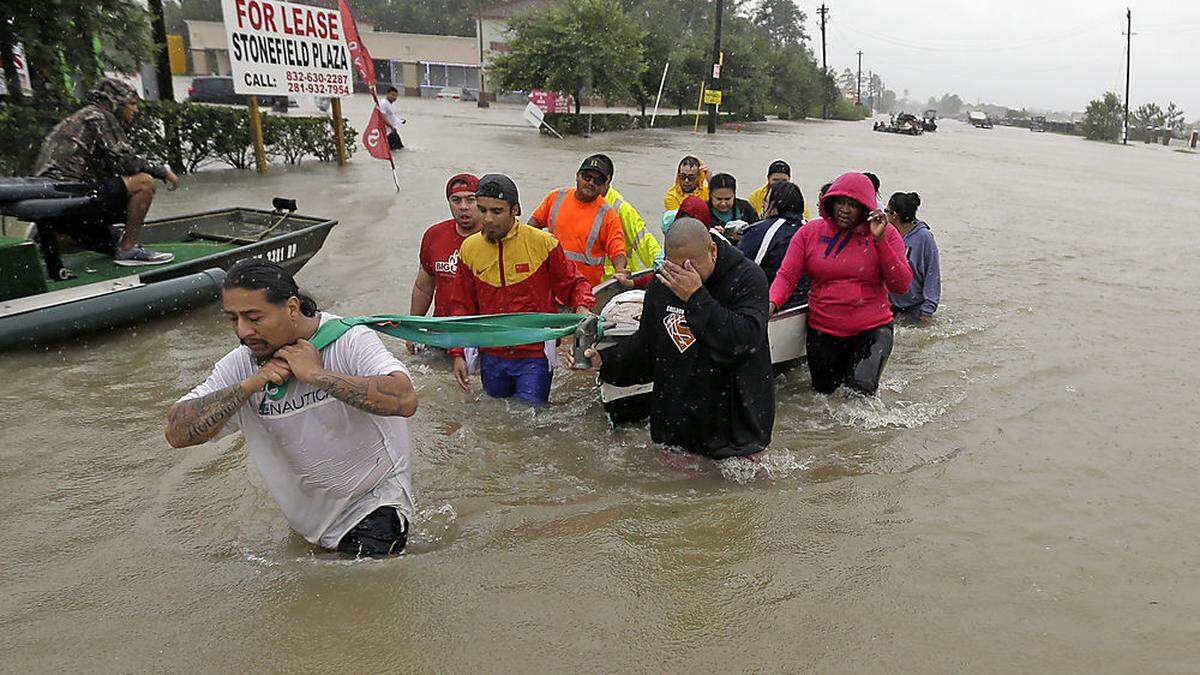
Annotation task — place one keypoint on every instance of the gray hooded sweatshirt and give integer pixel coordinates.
(925, 291)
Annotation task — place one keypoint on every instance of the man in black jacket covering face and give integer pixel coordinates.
(702, 341)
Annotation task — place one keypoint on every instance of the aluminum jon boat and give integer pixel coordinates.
(47, 295)
(625, 405)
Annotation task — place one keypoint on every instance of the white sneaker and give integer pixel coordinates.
(142, 256)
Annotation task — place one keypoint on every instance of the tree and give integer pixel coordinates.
(782, 21)
(1104, 118)
(1173, 118)
(574, 46)
(949, 105)
(1148, 116)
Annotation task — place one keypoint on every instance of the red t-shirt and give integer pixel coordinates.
(439, 259)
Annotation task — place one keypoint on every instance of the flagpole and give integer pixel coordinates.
(366, 70)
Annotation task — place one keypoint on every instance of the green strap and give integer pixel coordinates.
(447, 332)
(495, 330)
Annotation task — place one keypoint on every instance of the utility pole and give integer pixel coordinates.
(716, 59)
(1128, 44)
(860, 77)
(823, 11)
(482, 96)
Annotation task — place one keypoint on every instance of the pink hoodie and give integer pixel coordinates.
(850, 272)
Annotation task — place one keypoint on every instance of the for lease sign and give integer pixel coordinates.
(282, 48)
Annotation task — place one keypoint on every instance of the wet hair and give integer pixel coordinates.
(689, 161)
(904, 205)
(257, 274)
(390, 90)
(786, 197)
(824, 189)
(722, 180)
(874, 180)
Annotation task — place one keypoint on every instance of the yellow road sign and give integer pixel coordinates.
(712, 96)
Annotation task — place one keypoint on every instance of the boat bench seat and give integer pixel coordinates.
(21, 271)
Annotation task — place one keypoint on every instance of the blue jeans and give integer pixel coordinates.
(526, 379)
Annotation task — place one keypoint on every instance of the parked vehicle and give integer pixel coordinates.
(1037, 124)
(455, 94)
(219, 89)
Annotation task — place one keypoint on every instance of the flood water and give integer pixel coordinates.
(1021, 495)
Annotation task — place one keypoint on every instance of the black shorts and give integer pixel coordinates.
(382, 532)
(114, 198)
(394, 142)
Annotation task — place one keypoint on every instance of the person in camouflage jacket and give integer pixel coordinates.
(91, 146)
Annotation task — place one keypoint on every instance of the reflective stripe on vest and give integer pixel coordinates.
(637, 236)
(586, 257)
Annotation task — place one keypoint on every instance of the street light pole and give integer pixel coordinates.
(482, 103)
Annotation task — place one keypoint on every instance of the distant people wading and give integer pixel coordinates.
(325, 429)
(921, 300)
(391, 118)
(853, 258)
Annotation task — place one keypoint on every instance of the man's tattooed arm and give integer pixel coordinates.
(197, 420)
(379, 395)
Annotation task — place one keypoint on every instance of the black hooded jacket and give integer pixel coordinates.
(708, 359)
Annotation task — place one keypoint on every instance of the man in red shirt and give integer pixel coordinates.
(439, 250)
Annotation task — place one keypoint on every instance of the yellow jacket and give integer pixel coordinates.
(642, 250)
(759, 197)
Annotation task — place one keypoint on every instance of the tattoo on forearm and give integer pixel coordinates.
(197, 419)
(375, 395)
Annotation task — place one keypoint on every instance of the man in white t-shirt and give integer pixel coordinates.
(325, 429)
(391, 117)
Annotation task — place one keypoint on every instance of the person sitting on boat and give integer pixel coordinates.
(325, 429)
(766, 242)
(853, 258)
(90, 146)
(691, 207)
(587, 226)
(511, 267)
(439, 250)
(727, 208)
(921, 299)
(642, 250)
(702, 342)
(691, 178)
(778, 172)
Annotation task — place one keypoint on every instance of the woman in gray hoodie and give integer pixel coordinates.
(921, 300)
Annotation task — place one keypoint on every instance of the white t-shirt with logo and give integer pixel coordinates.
(326, 463)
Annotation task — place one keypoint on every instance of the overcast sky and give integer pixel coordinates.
(1056, 54)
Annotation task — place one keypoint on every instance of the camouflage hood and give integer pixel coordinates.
(112, 95)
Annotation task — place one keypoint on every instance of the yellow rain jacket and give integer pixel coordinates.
(642, 250)
(759, 197)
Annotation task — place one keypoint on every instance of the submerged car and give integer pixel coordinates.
(219, 89)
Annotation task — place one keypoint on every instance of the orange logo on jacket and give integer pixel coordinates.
(678, 330)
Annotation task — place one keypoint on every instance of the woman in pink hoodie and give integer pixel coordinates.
(853, 257)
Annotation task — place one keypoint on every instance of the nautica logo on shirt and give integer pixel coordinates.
(268, 408)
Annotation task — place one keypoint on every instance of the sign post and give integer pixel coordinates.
(338, 135)
(260, 151)
(280, 48)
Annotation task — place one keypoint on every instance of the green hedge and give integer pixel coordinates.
(207, 135)
(210, 134)
(570, 124)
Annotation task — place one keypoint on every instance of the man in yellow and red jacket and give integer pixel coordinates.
(510, 267)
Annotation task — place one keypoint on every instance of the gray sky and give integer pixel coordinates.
(1056, 54)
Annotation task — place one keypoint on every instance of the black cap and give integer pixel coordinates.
(498, 186)
(600, 163)
(779, 166)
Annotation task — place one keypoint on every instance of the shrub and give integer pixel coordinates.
(22, 128)
(571, 124)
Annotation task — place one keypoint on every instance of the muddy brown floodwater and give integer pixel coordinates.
(1021, 495)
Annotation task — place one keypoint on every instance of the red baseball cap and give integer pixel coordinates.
(468, 183)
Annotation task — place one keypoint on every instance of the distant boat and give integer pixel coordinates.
(979, 120)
